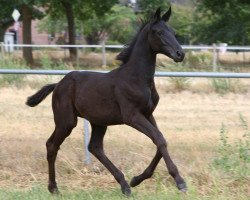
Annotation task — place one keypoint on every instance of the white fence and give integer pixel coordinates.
(214, 48)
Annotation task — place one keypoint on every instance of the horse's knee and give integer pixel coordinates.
(160, 142)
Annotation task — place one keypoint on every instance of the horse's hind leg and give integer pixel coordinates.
(96, 148)
(65, 120)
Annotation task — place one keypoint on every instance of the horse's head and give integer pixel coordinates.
(162, 37)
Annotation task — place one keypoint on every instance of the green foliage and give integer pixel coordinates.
(198, 60)
(226, 85)
(12, 79)
(117, 25)
(6, 20)
(120, 24)
(83, 10)
(182, 21)
(52, 25)
(222, 21)
(159, 193)
(48, 63)
(148, 7)
(234, 158)
(179, 83)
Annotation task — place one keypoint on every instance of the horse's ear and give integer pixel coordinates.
(166, 16)
(157, 15)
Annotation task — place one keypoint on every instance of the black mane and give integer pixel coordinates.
(126, 52)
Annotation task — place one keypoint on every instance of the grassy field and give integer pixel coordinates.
(195, 124)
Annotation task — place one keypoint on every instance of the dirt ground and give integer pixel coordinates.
(191, 123)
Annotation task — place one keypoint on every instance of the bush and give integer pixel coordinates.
(48, 63)
(224, 86)
(179, 83)
(12, 79)
(198, 60)
(234, 158)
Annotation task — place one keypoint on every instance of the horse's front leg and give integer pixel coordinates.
(148, 172)
(142, 124)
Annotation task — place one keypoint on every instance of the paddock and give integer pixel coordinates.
(190, 120)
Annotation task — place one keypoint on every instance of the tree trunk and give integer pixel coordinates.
(2, 32)
(71, 27)
(27, 36)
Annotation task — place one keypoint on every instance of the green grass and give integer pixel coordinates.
(234, 157)
(160, 192)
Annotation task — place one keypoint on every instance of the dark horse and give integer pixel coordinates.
(126, 95)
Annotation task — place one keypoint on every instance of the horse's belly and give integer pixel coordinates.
(99, 109)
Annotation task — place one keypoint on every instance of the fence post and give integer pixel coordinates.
(214, 58)
(244, 58)
(77, 57)
(86, 141)
(2, 50)
(104, 59)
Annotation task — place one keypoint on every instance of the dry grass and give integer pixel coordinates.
(92, 59)
(189, 121)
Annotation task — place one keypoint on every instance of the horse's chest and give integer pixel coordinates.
(147, 100)
(137, 97)
(151, 102)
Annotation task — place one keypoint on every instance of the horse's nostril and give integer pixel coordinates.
(178, 53)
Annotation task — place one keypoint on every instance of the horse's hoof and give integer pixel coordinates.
(53, 189)
(126, 191)
(182, 187)
(134, 182)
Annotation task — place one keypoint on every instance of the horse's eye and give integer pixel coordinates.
(160, 33)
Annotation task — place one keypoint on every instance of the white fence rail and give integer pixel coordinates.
(157, 73)
(191, 47)
(214, 48)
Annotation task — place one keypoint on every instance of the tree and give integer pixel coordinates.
(59, 8)
(28, 12)
(148, 7)
(117, 26)
(181, 19)
(6, 19)
(222, 21)
(120, 24)
(78, 9)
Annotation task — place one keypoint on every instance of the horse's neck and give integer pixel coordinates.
(142, 60)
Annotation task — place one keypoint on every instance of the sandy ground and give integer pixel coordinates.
(191, 123)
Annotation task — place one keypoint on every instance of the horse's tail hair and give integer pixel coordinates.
(40, 95)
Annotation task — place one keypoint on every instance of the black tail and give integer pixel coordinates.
(38, 97)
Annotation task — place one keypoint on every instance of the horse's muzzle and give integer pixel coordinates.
(179, 56)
